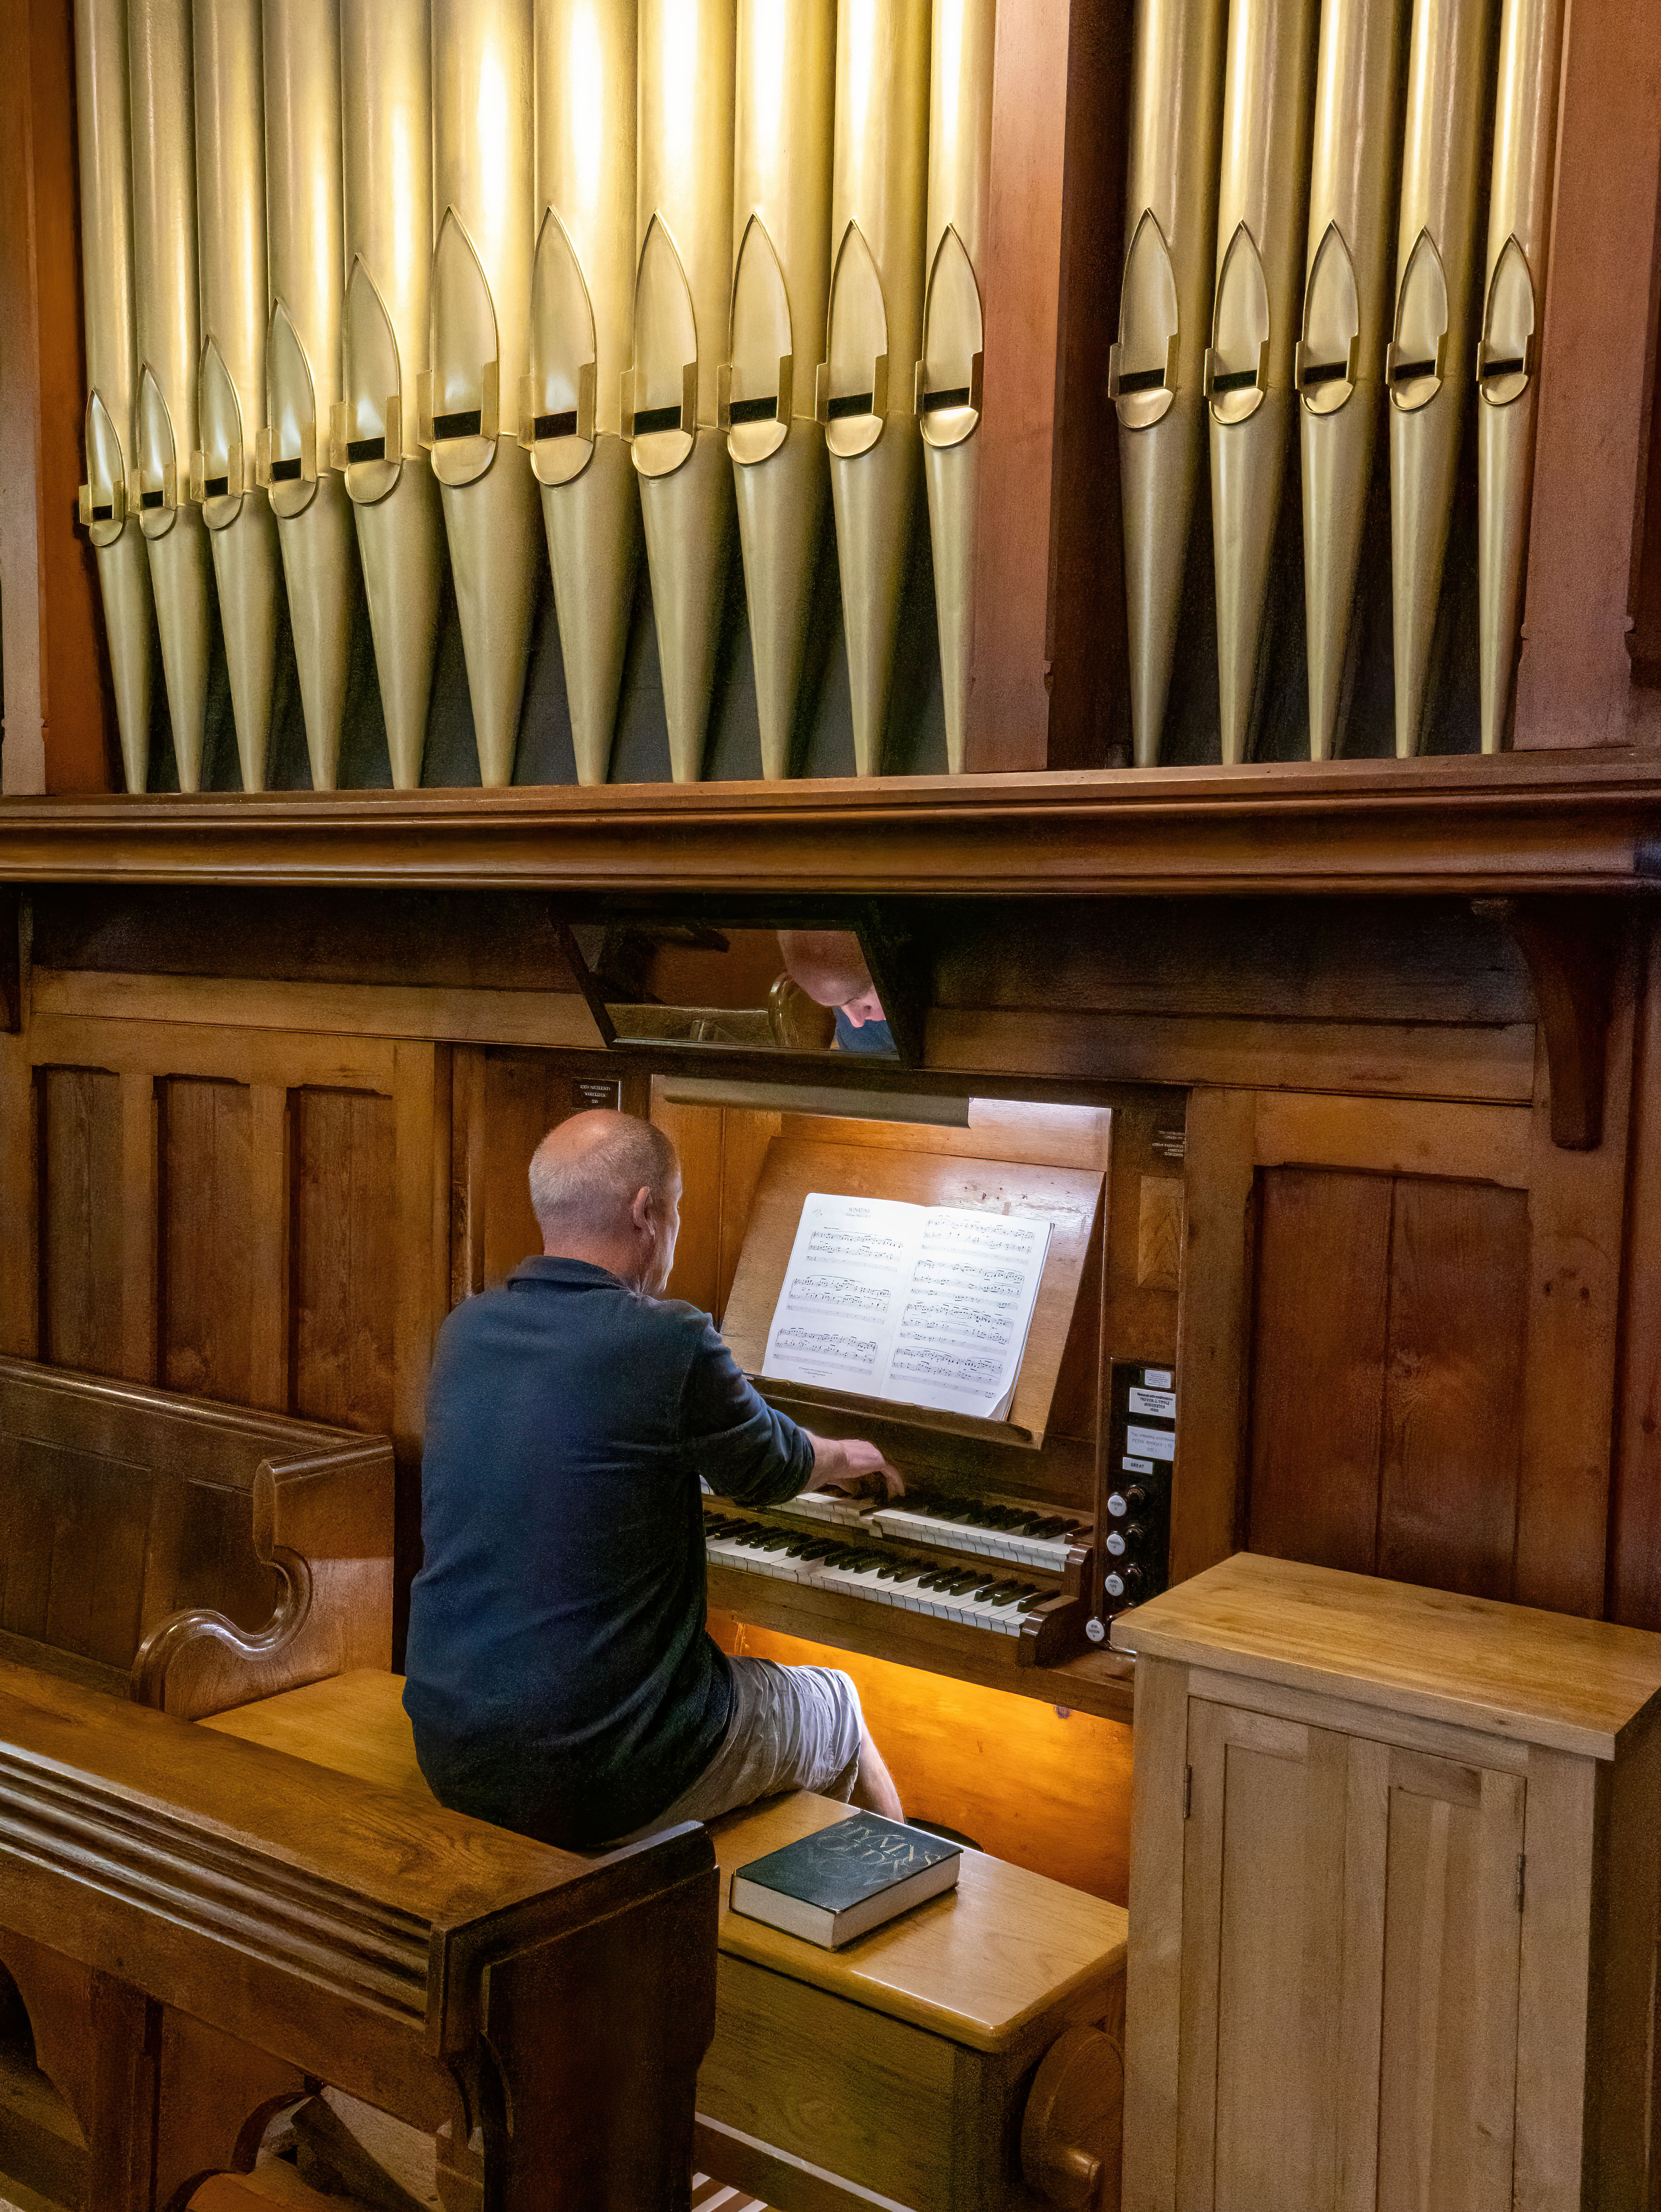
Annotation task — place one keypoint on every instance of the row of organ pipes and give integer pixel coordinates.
(1306, 183)
(366, 282)
(406, 275)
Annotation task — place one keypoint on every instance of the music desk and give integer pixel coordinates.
(963, 2059)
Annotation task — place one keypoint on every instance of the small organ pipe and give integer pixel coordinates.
(948, 383)
(786, 52)
(166, 303)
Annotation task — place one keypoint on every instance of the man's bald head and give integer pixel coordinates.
(831, 968)
(588, 1174)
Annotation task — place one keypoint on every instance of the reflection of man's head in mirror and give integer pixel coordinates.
(829, 966)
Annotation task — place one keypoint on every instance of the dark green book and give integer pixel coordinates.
(846, 1879)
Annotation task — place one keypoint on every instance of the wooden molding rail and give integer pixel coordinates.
(1512, 825)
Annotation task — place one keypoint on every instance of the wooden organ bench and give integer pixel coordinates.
(194, 1555)
(202, 1930)
(964, 2059)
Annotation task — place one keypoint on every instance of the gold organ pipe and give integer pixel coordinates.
(581, 320)
(1507, 361)
(683, 226)
(948, 383)
(1427, 366)
(163, 147)
(787, 54)
(230, 179)
(867, 393)
(386, 81)
(109, 500)
(302, 359)
(1346, 303)
(1156, 372)
(1262, 205)
(480, 316)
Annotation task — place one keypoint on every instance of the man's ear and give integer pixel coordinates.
(643, 1213)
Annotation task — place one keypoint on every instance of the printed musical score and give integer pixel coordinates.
(925, 1305)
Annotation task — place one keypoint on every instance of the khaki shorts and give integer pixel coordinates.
(793, 1727)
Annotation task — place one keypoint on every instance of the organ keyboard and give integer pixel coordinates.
(972, 1580)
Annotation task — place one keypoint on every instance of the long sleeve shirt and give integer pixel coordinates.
(560, 1679)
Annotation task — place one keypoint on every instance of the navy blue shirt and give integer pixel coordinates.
(560, 1679)
(868, 1037)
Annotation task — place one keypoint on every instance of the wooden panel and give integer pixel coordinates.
(1319, 1339)
(1429, 1061)
(1458, 1280)
(1635, 1521)
(481, 1016)
(696, 1133)
(1262, 1955)
(524, 1097)
(55, 713)
(1452, 1934)
(343, 1264)
(1395, 1137)
(81, 1217)
(1043, 1788)
(1153, 1968)
(206, 1238)
(1573, 683)
(1212, 1340)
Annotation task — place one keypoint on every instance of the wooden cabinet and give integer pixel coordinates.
(1396, 1875)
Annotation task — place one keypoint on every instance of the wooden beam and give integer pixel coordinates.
(57, 722)
(1509, 824)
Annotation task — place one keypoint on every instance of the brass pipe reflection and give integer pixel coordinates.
(866, 391)
(948, 382)
(786, 53)
(386, 81)
(1262, 211)
(302, 359)
(480, 321)
(230, 178)
(1428, 362)
(1157, 368)
(1507, 361)
(110, 517)
(163, 147)
(581, 317)
(684, 226)
(1345, 302)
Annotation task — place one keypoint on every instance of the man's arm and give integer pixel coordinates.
(748, 1452)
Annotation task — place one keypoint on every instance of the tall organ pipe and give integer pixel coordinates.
(786, 52)
(109, 514)
(1262, 207)
(1507, 362)
(948, 383)
(386, 78)
(1345, 303)
(1157, 369)
(481, 301)
(581, 313)
(1427, 367)
(879, 206)
(230, 184)
(166, 312)
(683, 223)
(302, 359)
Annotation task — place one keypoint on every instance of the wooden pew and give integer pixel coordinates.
(964, 2059)
(194, 1555)
(203, 1930)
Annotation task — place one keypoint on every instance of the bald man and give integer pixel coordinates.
(560, 1679)
(828, 966)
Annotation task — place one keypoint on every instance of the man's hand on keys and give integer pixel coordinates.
(853, 1469)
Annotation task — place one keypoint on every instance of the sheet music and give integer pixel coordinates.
(927, 1305)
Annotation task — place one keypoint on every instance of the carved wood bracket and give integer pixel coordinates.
(1571, 947)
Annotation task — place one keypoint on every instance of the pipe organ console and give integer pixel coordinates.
(750, 249)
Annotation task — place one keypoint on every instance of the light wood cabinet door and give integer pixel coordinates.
(1351, 1931)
